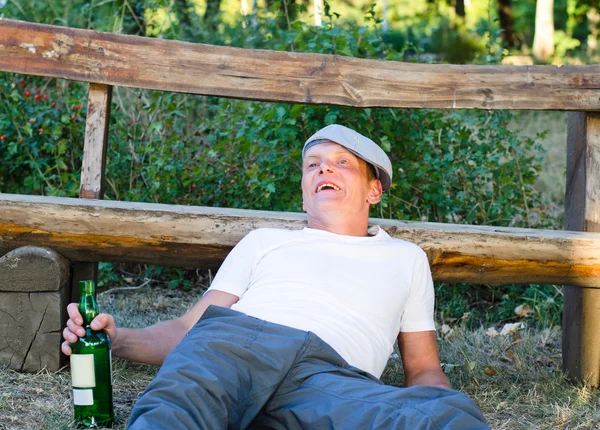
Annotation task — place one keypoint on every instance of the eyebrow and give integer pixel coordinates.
(339, 151)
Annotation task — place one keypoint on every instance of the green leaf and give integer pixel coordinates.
(12, 148)
(27, 129)
(61, 146)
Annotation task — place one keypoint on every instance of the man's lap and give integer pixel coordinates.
(232, 370)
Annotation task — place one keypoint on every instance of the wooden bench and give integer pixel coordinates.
(48, 232)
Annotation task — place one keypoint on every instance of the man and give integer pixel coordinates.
(297, 325)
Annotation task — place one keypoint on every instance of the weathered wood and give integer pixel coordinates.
(134, 61)
(581, 308)
(185, 236)
(93, 168)
(96, 141)
(31, 321)
(32, 269)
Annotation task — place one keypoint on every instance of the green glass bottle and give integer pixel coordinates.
(91, 368)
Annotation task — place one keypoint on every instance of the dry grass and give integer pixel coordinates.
(515, 379)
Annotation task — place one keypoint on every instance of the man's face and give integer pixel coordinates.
(335, 179)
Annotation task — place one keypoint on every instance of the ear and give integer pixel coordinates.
(375, 192)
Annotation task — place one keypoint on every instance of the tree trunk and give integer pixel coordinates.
(459, 7)
(385, 26)
(543, 40)
(593, 18)
(211, 15)
(184, 10)
(318, 10)
(507, 23)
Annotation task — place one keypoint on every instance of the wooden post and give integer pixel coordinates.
(34, 285)
(581, 310)
(92, 168)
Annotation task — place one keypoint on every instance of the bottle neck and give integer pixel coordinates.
(88, 307)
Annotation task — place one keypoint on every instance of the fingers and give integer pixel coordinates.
(66, 348)
(73, 311)
(73, 330)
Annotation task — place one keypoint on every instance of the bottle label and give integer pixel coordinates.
(83, 397)
(82, 371)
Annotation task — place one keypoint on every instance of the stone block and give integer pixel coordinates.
(33, 300)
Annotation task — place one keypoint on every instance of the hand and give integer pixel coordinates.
(74, 329)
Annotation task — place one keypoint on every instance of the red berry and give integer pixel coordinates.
(77, 107)
(36, 97)
(2, 137)
(37, 89)
(72, 117)
(21, 140)
(45, 96)
(53, 104)
(27, 93)
(41, 130)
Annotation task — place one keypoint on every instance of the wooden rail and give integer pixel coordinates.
(141, 62)
(187, 236)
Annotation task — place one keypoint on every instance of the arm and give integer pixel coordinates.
(420, 359)
(148, 345)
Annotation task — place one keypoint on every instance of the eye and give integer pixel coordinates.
(343, 161)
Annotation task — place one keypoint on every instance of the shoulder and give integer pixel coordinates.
(267, 235)
(399, 243)
(402, 247)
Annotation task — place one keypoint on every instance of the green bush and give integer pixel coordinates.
(41, 135)
(454, 166)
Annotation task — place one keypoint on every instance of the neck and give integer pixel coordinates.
(340, 226)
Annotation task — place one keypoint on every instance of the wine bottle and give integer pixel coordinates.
(91, 368)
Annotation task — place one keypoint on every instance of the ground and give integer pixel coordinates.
(516, 378)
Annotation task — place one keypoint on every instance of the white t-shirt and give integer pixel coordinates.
(355, 293)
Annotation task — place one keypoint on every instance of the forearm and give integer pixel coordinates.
(149, 345)
(432, 377)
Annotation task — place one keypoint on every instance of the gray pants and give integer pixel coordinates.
(236, 371)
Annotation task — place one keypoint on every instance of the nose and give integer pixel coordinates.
(325, 166)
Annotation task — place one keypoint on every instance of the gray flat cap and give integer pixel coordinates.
(359, 145)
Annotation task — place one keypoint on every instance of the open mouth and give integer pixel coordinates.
(327, 186)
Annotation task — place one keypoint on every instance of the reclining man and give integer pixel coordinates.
(298, 325)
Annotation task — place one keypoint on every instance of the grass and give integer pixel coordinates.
(515, 379)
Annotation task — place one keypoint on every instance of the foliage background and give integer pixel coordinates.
(454, 166)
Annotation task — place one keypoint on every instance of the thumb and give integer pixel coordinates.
(103, 322)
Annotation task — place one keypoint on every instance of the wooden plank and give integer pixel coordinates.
(581, 308)
(96, 141)
(134, 61)
(92, 169)
(187, 236)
